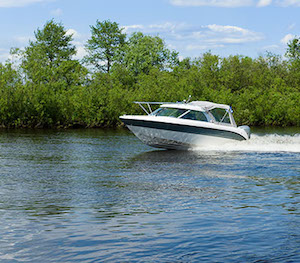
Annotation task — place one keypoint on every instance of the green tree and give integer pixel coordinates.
(209, 74)
(105, 45)
(49, 88)
(235, 72)
(51, 48)
(293, 50)
(143, 52)
(11, 95)
(52, 75)
(293, 53)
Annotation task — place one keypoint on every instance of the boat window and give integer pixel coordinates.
(168, 112)
(156, 111)
(221, 115)
(195, 115)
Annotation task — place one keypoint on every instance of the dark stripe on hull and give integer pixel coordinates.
(184, 128)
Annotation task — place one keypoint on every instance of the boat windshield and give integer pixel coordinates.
(168, 112)
(182, 113)
(195, 115)
(221, 115)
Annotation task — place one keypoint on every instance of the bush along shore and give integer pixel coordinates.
(44, 86)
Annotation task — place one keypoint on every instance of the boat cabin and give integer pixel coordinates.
(197, 110)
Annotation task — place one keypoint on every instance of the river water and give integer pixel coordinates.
(103, 196)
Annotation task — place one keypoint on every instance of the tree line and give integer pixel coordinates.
(43, 85)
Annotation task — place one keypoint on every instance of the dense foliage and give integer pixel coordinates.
(44, 86)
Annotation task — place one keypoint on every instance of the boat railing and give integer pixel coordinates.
(149, 103)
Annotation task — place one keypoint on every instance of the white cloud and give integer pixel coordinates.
(235, 3)
(74, 33)
(18, 3)
(80, 50)
(132, 28)
(287, 3)
(166, 28)
(271, 47)
(219, 34)
(4, 55)
(227, 29)
(193, 47)
(79, 41)
(217, 3)
(263, 3)
(182, 36)
(57, 12)
(22, 39)
(287, 38)
(291, 26)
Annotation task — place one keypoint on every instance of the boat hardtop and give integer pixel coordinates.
(197, 105)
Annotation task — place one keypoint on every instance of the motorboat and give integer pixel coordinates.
(185, 125)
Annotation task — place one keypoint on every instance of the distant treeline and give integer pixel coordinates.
(43, 85)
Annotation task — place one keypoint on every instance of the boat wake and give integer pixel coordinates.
(259, 143)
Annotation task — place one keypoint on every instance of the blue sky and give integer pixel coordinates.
(191, 27)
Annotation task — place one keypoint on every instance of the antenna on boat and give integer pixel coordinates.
(190, 96)
(188, 100)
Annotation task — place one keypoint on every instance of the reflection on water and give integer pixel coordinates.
(93, 195)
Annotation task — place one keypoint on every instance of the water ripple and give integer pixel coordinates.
(102, 196)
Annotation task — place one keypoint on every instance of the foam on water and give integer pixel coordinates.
(259, 143)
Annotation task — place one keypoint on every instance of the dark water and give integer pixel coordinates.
(102, 196)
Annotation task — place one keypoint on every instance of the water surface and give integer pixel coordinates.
(103, 196)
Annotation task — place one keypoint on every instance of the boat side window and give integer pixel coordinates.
(195, 115)
(220, 115)
(169, 112)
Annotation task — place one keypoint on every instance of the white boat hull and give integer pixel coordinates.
(169, 133)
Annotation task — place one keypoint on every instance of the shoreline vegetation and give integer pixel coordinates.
(44, 86)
